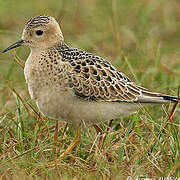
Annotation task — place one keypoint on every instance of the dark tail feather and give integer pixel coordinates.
(173, 99)
(156, 98)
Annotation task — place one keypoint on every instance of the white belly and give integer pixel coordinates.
(62, 105)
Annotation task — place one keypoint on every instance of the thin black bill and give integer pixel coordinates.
(18, 43)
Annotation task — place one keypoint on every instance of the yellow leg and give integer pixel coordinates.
(75, 142)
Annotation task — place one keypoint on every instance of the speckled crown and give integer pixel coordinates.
(38, 21)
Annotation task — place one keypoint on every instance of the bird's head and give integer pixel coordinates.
(40, 32)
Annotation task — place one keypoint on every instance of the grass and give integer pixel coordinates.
(141, 38)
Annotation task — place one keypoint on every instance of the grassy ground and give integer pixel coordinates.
(141, 38)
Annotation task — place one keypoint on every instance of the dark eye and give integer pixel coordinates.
(39, 32)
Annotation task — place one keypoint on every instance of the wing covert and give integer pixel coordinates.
(93, 78)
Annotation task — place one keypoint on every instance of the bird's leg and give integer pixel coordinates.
(75, 142)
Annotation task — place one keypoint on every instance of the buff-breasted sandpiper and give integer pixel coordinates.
(75, 86)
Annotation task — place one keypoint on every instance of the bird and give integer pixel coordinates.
(76, 86)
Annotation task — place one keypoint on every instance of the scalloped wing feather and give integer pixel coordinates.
(93, 78)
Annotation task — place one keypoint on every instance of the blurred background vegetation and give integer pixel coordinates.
(141, 38)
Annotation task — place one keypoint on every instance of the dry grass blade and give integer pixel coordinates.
(171, 114)
(23, 102)
(175, 106)
(55, 138)
(18, 156)
(19, 62)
